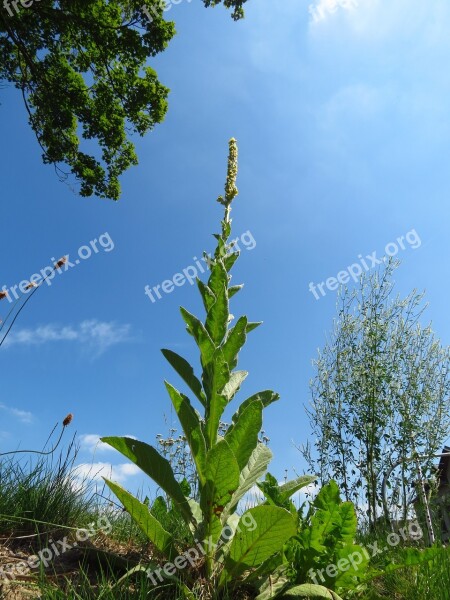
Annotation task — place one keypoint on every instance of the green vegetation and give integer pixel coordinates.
(81, 68)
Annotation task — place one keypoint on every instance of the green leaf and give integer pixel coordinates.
(215, 377)
(217, 317)
(276, 581)
(186, 372)
(251, 547)
(349, 522)
(196, 328)
(252, 326)
(243, 438)
(192, 429)
(155, 466)
(266, 397)
(289, 488)
(232, 386)
(218, 278)
(145, 520)
(234, 289)
(234, 342)
(310, 592)
(256, 467)
(222, 478)
(229, 260)
(207, 295)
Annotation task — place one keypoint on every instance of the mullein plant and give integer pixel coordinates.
(226, 549)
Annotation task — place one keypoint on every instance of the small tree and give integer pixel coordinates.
(380, 393)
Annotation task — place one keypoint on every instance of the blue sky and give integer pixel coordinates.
(343, 125)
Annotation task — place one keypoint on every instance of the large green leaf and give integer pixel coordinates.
(356, 569)
(217, 317)
(215, 377)
(196, 328)
(234, 342)
(190, 422)
(222, 478)
(289, 488)
(254, 470)
(232, 386)
(349, 522)
(243, 438)
(186, 372)
(327, 517)
(250, 547)
(310, 592)
(155, 466)
(266, 397)
(140, 513)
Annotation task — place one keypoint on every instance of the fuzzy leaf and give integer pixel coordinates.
(153, 464)
(232, 386)
(266, 397)
(196, 328)
(207, 295)
(310, 592)
(186, 372)
(145, 520)
(234, 342)
(217, 317)
(234, 289)
(243, 439)
(289, 488)
(192, 429)
(256, 467)
(249, 548)
(222, 478)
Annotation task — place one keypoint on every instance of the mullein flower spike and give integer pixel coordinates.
(231, 190)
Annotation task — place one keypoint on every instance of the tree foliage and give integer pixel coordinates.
(380, 393)
(80, 66)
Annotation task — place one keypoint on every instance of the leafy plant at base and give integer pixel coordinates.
(325, 536)
(228, 465)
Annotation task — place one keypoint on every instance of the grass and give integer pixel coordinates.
(39, 494)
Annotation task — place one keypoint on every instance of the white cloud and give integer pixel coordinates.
(90, 442)
(96, 336)
(95, 471)
(324, 8)
(23, 416)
